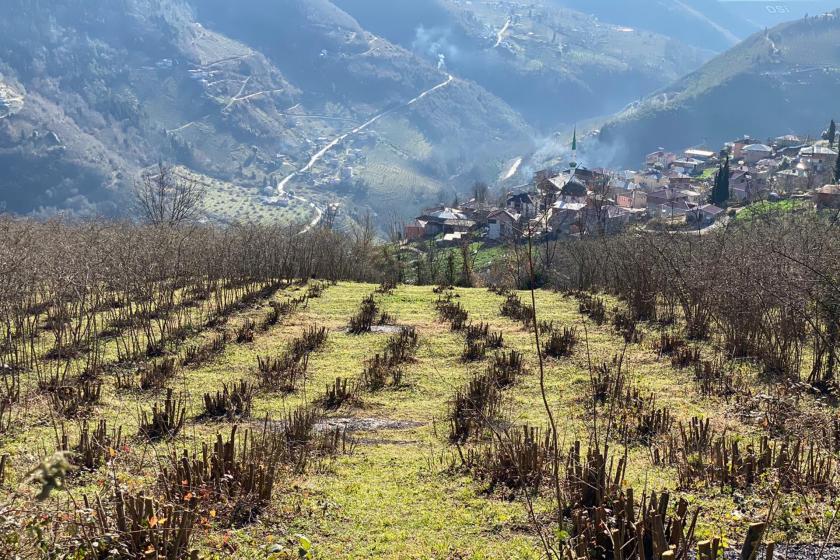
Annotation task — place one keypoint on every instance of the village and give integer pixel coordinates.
(685, 191)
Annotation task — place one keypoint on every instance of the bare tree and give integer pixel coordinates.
(164, 197)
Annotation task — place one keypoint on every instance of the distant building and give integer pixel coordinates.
(574, 190)
(745, 187)
(701, 155)
(632, 199)
(790, 180)
(739, 145)
(566, 217)
(827, 197)
(668, 201)
(660, 157)
(415, 230)
(679, 182)
(445, 220)
(787, 141)
(704, 215)
(822, 154)
(754, 153)
(501, 224)
(652, 179)
(687, 166)
(524, 204)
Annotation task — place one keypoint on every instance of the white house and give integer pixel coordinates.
(501, 224)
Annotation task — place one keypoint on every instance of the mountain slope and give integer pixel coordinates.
(553, 65)
(785, 79)
(707, 24)
(93, 91)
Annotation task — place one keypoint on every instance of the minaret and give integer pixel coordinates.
(573, 163)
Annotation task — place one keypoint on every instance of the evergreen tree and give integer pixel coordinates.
(724, 183)
(713, 198)
(832, 133)
(720, 190)
(837, 171)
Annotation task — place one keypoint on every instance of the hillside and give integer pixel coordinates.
(552, 64)
(92, 92)
(706, 24)
(183, 392)
(396, 487)
(784, 79)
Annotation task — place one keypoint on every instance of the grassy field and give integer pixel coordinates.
(400, 493)
(228, 203)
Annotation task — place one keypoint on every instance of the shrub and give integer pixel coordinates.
(235, 478)
(594, 307)
(386, 287)
(477, 332)
(518, 460)
(315, 290)
(283, 373)
(561, 343)
(133, 526)
(506, 368)
(402, 346)
(643, 420)
(202, 353)
(669, 343)
(230, 403)
(70, 401)
(277, 312)
(627, 326)
(6, 408)
(512, 308)
(94, 448)
(452, 312)
(364, 320)
(157, 374)
(337, 394)
(125, 379)
(10, 388)
(473, 407)
(495, 340)
(607, 381)
(166, 420)
(474, 350)
(52, 380)
(245, 332)
(379, 371)
(311, 340)
(713, 379)
(684, 357)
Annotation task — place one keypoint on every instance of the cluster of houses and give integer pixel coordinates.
(571, 202)
(670, 186)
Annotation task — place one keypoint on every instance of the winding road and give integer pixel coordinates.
(281, 186)
(501, 35)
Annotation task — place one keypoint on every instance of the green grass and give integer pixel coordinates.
(765, 208)
(396, 495)
(228, 203)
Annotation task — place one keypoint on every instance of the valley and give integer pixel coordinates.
(220, 96)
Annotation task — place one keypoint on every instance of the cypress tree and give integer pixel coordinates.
(720, 190)
(716, 187)
(832, 133)
(837, 171)
(724, 182)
